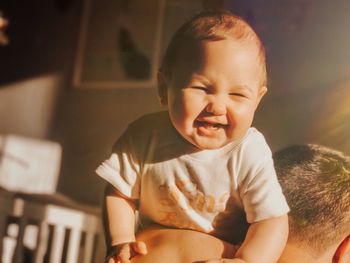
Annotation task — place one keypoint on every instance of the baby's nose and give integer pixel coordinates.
(216, 108)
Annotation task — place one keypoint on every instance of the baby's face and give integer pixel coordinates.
(214, 91)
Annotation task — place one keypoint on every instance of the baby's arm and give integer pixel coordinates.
(119, 223)
(264, 242)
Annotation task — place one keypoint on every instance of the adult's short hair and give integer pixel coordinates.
(316, 183)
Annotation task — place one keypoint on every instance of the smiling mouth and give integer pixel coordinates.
(210, 125)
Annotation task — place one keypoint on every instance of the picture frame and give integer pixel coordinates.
(119, 44)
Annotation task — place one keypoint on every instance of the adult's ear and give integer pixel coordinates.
(162, 88)
(342, 254)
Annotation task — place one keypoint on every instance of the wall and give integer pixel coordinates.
(27, 107)
(308, 60)
(87, 123)
(309, 82)
(37, 98)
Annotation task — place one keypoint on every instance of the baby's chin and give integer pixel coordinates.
(208, 143)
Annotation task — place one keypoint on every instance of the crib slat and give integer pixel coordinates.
(73, 246)
(89, 242)
(42, 240)
(57, 244)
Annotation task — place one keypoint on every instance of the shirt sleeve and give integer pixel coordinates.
(260, 191)
(122, 168)
(263, 197)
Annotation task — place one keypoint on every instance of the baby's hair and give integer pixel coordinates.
(212, 26)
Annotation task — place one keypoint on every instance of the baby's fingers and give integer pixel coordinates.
(119, 254)
(111, 260)
(139, 247)
(124, 255)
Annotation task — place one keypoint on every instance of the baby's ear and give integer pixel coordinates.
(162, 88)
(262, 92)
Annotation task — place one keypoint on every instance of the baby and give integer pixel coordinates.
(200, 164)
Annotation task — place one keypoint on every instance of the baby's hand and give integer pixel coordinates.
(122, 253)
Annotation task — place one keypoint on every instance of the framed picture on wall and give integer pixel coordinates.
(119, 44)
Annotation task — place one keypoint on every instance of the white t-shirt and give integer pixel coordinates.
(180, 186)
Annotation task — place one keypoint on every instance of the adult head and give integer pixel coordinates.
(316, 182)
